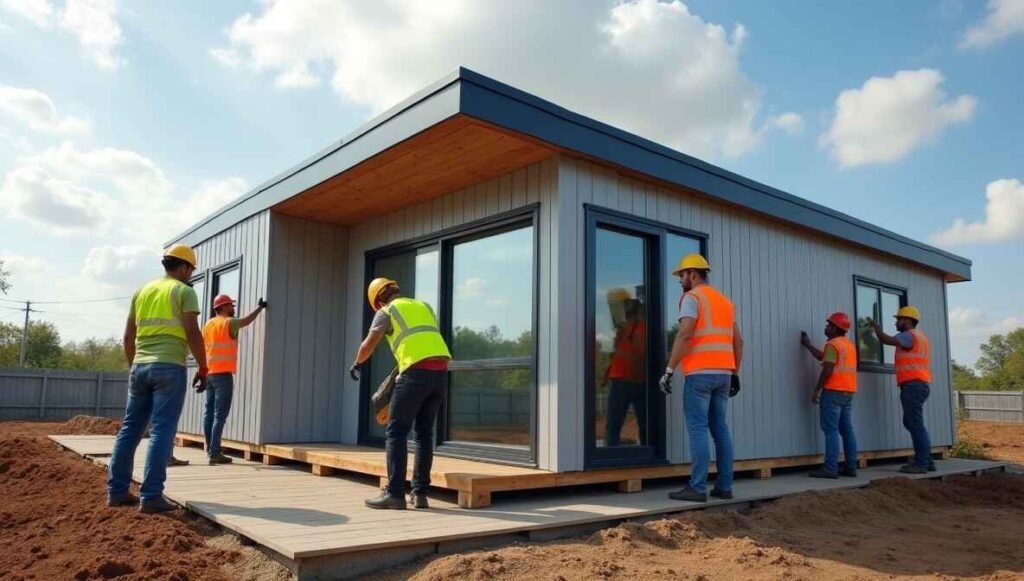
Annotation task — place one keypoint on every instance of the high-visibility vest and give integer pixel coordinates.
(844, 373)
(630, 354)
(158, 308)
(415, 335)
(221, 349)
(711, 345)
(915, 364)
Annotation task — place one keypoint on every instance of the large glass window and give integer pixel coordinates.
(676, 247)
(879, 302)
(228, 281)
(199, 285)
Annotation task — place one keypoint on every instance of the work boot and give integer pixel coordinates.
(848, 472)
(931, 467)
(419, 500)
(719, 493)
(914, 469)
(157, 505)
(176, 462)
(688, 494)
(220, 459)
(822, 473)
(123, 499)
(386, 501)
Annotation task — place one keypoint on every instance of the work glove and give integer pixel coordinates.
(199, 381)
(261, 303)
(665, 383)
(734, 387)
(353, 371)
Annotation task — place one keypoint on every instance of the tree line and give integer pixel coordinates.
(999, 368)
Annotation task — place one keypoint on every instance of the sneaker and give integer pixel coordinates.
(176, 462)
(419, 500)
(822, 473)
(386, 501)
(719, 493)
(688, 494)
(123, 499)
(220, 459)
(157, 505)
(848, 472)
(914, 469)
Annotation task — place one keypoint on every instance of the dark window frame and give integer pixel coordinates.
(214, 272)
(444, 241)
(880, 287)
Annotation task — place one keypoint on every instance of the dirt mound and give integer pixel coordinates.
(89, 425)
(1000, 440)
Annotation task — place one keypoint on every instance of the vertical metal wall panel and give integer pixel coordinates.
(782, 280)
(247, 242)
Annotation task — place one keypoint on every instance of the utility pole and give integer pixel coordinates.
(24, 333)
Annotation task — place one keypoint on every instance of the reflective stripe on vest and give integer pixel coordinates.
(844, 373)
(221, 349)
(158, 308)
(915, 364)
(415, 335)
(711, 346)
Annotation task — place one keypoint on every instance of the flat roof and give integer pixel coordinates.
(469, 93)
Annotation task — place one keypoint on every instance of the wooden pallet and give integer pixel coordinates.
(475, 481)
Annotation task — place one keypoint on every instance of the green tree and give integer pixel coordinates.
(1002, 362)
(4, 275)
(964, 378)
(42, 346)
(94, 355)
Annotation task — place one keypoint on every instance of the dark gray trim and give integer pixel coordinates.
(904, 294)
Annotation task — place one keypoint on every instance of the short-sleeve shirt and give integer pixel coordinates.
(691, 310)
(906, 340)
(166, 348)
(831, 354)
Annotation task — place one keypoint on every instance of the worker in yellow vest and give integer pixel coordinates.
(710, 347)
(914, 378)
(221, 337)
(834, 394)
(412, 331)
(162, 327)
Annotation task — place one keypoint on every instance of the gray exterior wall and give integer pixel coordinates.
(782, 280)
(248, 241)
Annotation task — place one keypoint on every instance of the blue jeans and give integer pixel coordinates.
(705, 398)
(621, 395)
(415, 401)
(218, 404)
(836, 410)
(913, 394)
(155, 391)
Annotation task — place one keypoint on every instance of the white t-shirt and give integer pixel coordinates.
(690, 310)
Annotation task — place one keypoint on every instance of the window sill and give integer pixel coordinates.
(884, 369)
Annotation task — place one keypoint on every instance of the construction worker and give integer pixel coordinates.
(710, 347)
(834, 395)
(411, 329)
(221, 337)
(162, 327)
(914, 377)
(625, 369)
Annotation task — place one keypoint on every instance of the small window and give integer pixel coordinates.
(879, 302)
(227, 280)
(198, 284)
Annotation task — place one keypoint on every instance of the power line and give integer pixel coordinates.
(75, 302)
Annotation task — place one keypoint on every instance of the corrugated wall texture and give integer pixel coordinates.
(305, 362)
(782, 280)
(533, 184)
(248, 241)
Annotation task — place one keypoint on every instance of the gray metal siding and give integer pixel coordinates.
(782, 280)
(247, 241)
(304, 359)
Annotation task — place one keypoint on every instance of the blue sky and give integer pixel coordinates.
(120, 126)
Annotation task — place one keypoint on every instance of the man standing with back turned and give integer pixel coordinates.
(162, 326)
(411, 329)
(710, 347)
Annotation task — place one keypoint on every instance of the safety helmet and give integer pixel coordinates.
(182, 252)
(909, 313)
(840, 319)
(376, 287)
(691, 261)
(222, 300)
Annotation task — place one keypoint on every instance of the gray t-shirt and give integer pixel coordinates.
(906, 340)
(690, 309)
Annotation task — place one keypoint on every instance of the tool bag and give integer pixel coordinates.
(382, 397)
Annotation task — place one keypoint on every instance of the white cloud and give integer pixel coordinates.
(651, 67)
(889, 117)
(127, 170)
(32, 193)
(1005, 18)
(21, 265)
(39, 12)
(790, 123)
(471, 288)
(36, 110)
(212, 196)
(1004, 217)
(93, 23)
(969, 327)
(122, 267)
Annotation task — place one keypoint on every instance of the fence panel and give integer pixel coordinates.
(50, 394)
(992, 406)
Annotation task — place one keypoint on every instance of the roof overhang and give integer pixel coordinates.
(467, 127)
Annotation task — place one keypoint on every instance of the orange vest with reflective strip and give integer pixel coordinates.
(915, 364)
(630, 355)
(844, 374)
(711, 345)
(221, 349)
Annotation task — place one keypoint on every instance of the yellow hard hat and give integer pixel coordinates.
(694, 261)
(376, 287)
(183, 252)
(618, 295)
(909, 313)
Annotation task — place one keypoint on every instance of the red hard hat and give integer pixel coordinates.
(840, 319)
(222, 300)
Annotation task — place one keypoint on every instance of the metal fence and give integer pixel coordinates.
(48, 394)
(992, 406)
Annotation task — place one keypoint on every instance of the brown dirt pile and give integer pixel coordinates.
(966, 527)
(1001, 440)
(89, 425)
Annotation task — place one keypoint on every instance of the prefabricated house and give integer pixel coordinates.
(518, 220)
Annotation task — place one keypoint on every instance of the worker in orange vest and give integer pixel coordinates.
(710, 348)
(625, 369)
(221, 337)
(834, 395)
(914, 378)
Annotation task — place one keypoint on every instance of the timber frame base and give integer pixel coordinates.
(476, 481)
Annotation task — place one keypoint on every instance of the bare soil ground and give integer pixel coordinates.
(1000, 440)
(54, 523)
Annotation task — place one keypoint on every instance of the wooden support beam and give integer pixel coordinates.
(763, 472)
(250, 455)
(627, 486)
(269, 460)
(474, 499)
(862, 463)
(321, 470)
